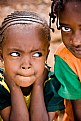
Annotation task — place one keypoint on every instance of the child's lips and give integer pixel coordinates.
(25, 75)
(76, 50)
(25, 80)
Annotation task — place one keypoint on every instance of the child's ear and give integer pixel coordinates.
(47, 53)
(1, 55)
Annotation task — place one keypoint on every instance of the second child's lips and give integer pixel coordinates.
(76, 49)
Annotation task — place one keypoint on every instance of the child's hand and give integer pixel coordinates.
(17, 102)
(42, 78)
(11, 84)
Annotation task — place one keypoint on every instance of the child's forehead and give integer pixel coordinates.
(23, 20)
(26, 38)
(72, 4)
(21, 32)
(71, 8)
(22, 17)
(23, 29)
(17, 32)
(20, 27)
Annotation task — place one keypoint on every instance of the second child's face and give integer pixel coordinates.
(70, 22)
(24, 54)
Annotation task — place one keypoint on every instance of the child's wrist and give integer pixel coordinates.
(14, 87)
(37, 84)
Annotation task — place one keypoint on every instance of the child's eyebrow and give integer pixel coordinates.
(37, 50)
(13, 49)
(62, 24)
(33, 50)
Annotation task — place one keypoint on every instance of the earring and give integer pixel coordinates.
(46, 66)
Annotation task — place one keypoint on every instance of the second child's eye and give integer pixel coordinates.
(66, 29)
(37, 54)
(15, 54)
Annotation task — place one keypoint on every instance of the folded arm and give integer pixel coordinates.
(18, 110)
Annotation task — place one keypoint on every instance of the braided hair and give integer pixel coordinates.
(56, 7)
(23, 17)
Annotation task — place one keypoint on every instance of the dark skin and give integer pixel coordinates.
(17, 101)
(70, 22)
(26, 49)
(38, 110)
(76, 104)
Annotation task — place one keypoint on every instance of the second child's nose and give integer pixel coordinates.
(76, 40)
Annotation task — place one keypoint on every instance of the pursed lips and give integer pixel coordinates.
(76, 49)
(25, 75)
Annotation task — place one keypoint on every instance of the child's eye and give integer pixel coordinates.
(66, 29)
(15, 54)
(37, 54)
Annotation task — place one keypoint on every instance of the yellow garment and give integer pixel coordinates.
(27, 98)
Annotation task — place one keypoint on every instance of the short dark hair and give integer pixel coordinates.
(23, 17)
(56, 7)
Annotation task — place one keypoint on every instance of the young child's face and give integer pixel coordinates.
(70, 21)
(24, 53)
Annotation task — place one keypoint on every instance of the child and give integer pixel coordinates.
(24, 48)
(68, 56)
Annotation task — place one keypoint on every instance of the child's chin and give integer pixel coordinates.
(26, 83)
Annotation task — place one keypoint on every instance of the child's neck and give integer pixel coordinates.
(26, 90)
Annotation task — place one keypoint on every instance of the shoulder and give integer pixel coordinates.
(50, 77)
(1, 73)
(61, 48)
(63, 52)
(4, 90)
(4, 93)
(53, 101)
(51, 82)
(1, 76)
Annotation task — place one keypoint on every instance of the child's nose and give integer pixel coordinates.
(76, 41)
(26, 63)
